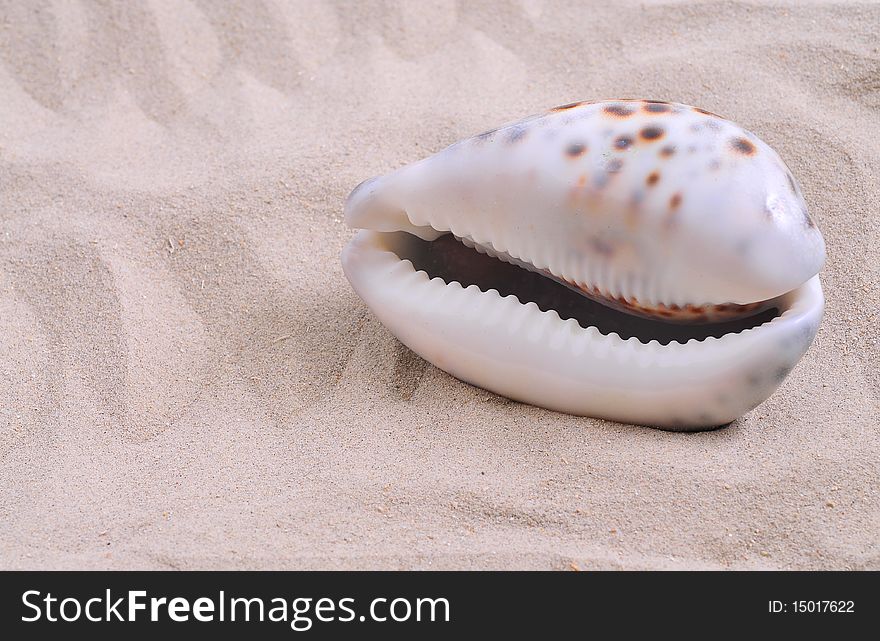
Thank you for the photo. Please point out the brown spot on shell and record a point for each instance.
(576, 150)
(601, 247)
(743, 146)
(667, 151)
(516, 134)
(652, 178)
(570, 105)
(656, 107)
(623, 142)
(675, 201)
(618, 111)
(651, 134)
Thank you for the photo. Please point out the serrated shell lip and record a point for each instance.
(530, 355)
(794, 305)
(622, 299)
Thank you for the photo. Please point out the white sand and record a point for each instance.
(187, 380)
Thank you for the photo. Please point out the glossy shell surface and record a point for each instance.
(658, 209)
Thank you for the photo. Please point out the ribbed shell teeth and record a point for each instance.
(595, 278)
(624, 291)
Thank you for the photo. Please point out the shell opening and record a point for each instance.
(454, 259)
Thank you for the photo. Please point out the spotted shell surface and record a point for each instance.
(659, 202)
(654, 206)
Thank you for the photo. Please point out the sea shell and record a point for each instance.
(635, 260)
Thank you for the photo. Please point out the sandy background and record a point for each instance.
(187, 380)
